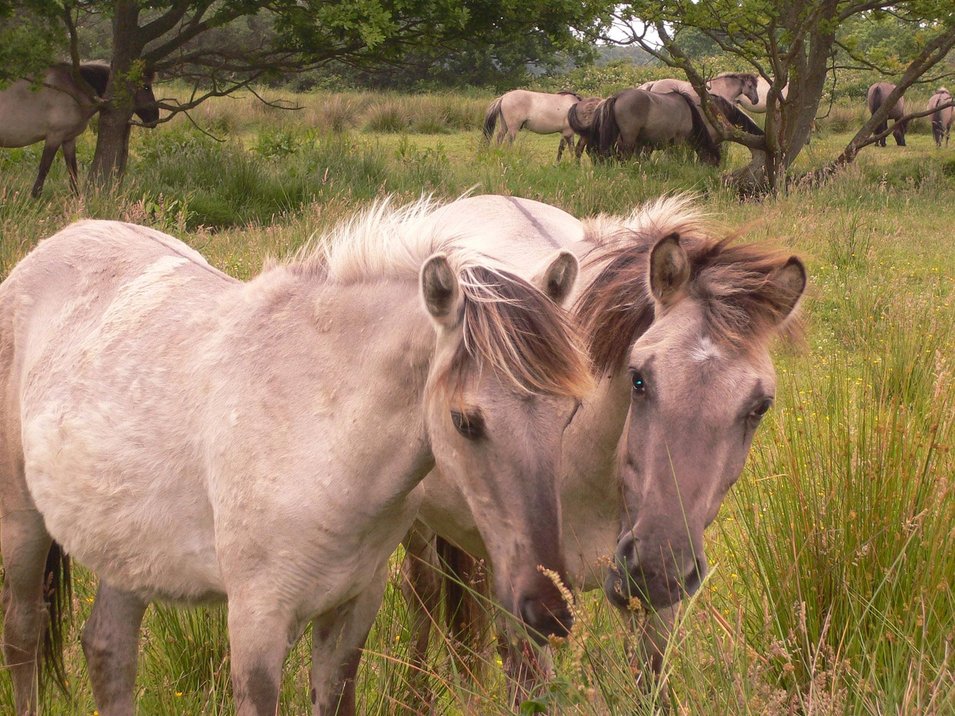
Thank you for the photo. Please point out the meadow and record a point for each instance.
(832, 588)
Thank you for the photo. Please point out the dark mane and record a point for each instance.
(96, 75)
(741, 304)
(572, 94)
(737, 75)
(735, 115)
(706, 147)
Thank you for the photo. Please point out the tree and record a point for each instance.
(791, 43)
(225, 45)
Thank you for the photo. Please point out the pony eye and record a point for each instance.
(762, 408)
(470, 426)
(639, 384)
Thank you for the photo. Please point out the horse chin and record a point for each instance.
(626, 594)
(149, 119)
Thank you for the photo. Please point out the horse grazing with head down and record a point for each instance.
(678, 325)
(191, 437)
(875, 98)
(636, 120)
(539, 112)
(941, 115)
(57, 109)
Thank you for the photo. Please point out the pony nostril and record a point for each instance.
(694, 579)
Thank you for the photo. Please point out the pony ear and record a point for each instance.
(440, 291)
(669, 270)
(558, 277)
(788, 284)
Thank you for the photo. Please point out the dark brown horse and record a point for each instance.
(875, 98)
(639, 120)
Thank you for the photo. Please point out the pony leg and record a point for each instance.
(422, 594)
(111, 646)
(259, 641)
(337, 640)
(898, 133)
(69, 156)
(46, 161)
(25, 544)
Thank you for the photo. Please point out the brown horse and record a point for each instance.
(57, 109)
(941, 115)
(637, 119)
(875, 98)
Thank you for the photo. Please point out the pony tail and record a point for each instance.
(605, 127)
(574, 121)
(467, 610)
(58, 597)
(490, 118)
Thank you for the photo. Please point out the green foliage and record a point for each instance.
(29, 37)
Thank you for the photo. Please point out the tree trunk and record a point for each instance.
(112, 142)
(112, 145)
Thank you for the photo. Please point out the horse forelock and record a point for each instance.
(513, 328)
(741, 304)
(616, 307)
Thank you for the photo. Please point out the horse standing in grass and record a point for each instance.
(677, 324)
(731, 86)
(875, 98)
(941, 118)
(539, 112)
(636, 120)
(58, 109)
(191, 437)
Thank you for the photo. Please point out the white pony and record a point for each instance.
(762, 94)
(539, 112)
(191, 437)
(731, 86)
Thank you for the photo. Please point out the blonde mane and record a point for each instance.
(508, 325)
(741, 305)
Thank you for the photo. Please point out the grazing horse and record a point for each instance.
(540, 112)
(191, 437)
(731, 86)
(57, 110)
(941, 118)
(762, 96)
(875, 98)
(616, 306)
(636, 119)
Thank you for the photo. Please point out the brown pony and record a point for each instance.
(639, 120)
(875, 98)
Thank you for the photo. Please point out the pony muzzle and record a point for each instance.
(654, 583)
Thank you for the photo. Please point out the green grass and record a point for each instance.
(832, 584)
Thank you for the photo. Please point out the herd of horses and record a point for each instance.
(57, 108)
(664, 112)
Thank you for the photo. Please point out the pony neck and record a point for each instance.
(363, 351)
